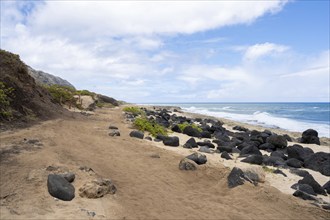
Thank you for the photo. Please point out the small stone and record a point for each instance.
(114, 133)
(113, 127)
(69, 176)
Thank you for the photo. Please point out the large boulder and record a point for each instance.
(255, 174)
(97, 188)
(187, 164)
(190, 131)
(226, 148)
(235, 178)
(319, 161)
(60, 188)
(171, 141)
(136, 134)
(197, 158)
(299, 172)
(310, 136)
(205, 149)
(267, 147)
(293, 162)
(191, 143)
(250, 150)
(253, 159)
(273, 161)
(309, 180)
(206, 134)
(279, 154)
(278, 141)
(298, 152)
(176, 128)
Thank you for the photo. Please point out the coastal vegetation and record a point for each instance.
(134, 110)
(182, 126)
(143, 124)
(5, 93)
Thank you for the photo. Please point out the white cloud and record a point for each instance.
(83, 19)
(259, 50)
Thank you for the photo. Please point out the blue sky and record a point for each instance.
(173, 51)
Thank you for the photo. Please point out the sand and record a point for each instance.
(148, 187)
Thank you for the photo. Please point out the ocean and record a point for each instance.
(288, 116)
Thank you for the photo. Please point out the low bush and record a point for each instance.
(61, 94)
(182, 126)
(134, 110)
(152, 127)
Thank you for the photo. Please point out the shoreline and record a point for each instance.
(229, 123)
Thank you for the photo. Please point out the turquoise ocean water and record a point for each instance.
(288, 116)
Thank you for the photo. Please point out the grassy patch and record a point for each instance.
(134, 110)
(184, 125)
(84, 92)
(152, 127)
(5, 92)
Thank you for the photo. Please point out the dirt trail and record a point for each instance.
(148, 188)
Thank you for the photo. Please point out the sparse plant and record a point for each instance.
(5, 93)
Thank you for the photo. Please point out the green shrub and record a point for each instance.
(134, 110)
(61, 94)
(84, 92)
(184, 125)
(152, 127)
(5, 92)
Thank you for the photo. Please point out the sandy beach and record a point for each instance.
(148, 186)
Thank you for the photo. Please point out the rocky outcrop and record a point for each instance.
(43, 78)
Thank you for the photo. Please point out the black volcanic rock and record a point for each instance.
(310, 136)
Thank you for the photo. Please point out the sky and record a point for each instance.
(177, 51)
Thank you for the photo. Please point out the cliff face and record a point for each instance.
(43, 78)
(23, 99)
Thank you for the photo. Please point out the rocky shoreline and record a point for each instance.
(271, 149)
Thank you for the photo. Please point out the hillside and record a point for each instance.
(43, 78)
(22, 99)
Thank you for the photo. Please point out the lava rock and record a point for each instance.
(240, 128)
(192, 143)
(298, 172)
(273, 161)
(303, 195)
(235, 178)
(279, 154)
(304, 187)
(69, 176)
(278, 171)
(186, 164)
(190, 131)
(298, 152)
(319, 161)
(171, 141)
(148, 138)
(205, 134)
(326, 187)
(278, 141)
(198, 158)
(309, 180)
(176, 128)
(250, 150)
(253, 159)
(310, 136)
(267, 147)
(227, 149)
(136, 134)
(293, 162)
(226, 156)
(60, 188)
(208, 144)
(113, 127)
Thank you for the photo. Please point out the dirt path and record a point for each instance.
(148, 188)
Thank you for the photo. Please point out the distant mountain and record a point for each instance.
(43, 78)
